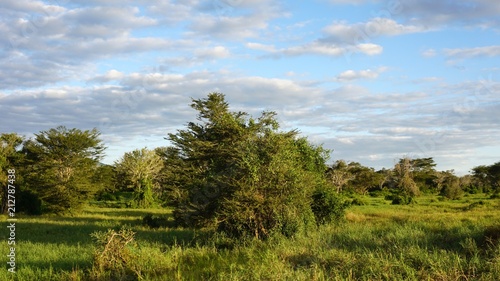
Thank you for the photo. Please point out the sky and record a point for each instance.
(371, 80)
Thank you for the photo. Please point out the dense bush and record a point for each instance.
(327, 206)
(242, 176)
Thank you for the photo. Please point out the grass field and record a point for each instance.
(430, 240)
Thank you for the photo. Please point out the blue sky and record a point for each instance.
(373, 80)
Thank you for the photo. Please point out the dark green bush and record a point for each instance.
(327, 206)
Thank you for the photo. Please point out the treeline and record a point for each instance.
(227, 170)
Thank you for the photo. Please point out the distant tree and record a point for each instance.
(494, 176)
(9, 159)
(487, 177)
(424, 173)
(363, 178)
(105, 177)
(339, 175)
(449, 185)
(140, 170)
(60, 164)
(403, 179)
(241, 175)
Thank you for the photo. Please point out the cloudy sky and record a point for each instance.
(373, 80)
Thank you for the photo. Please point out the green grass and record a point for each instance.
(430, 240)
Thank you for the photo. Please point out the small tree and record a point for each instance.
(140, 170)
(60, 164)
(241, 175)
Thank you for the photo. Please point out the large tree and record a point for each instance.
(242, 175)
(60, 165)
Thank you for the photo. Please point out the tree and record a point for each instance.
(424, 173)
(9, 159)
(140, 170)
(60, 165)
(403, 179)
(487, 177)
(363, 178)
(240, 175)
(339, 175)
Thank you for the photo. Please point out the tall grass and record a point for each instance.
(432, 240)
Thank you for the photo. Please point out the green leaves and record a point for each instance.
(242, 175)
(60, 164)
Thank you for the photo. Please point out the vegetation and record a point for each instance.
(433, 240)
(242, 176)
(236, 198)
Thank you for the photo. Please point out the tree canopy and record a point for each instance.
(60, 163)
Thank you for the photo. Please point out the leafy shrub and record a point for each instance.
(327, 206)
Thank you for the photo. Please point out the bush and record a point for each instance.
(327, 206)
(113, 259)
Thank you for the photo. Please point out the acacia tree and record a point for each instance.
(240, 175)
(140, 169)
(60, 164)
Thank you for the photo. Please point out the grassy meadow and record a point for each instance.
(430, 240)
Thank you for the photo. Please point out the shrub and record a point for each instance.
(113, 259)
(327, 206)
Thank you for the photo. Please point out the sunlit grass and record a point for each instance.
(430, 240)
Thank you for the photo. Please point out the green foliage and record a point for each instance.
(327, 206)
(60, 164)
(429, 241)
(10, 158)
(140, 171)
(450, 186)
(241, 175)
(402, 179)
(487, 177)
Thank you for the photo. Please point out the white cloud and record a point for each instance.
(463, 53)
(343, 32)
(350, 75)
(217, 52)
